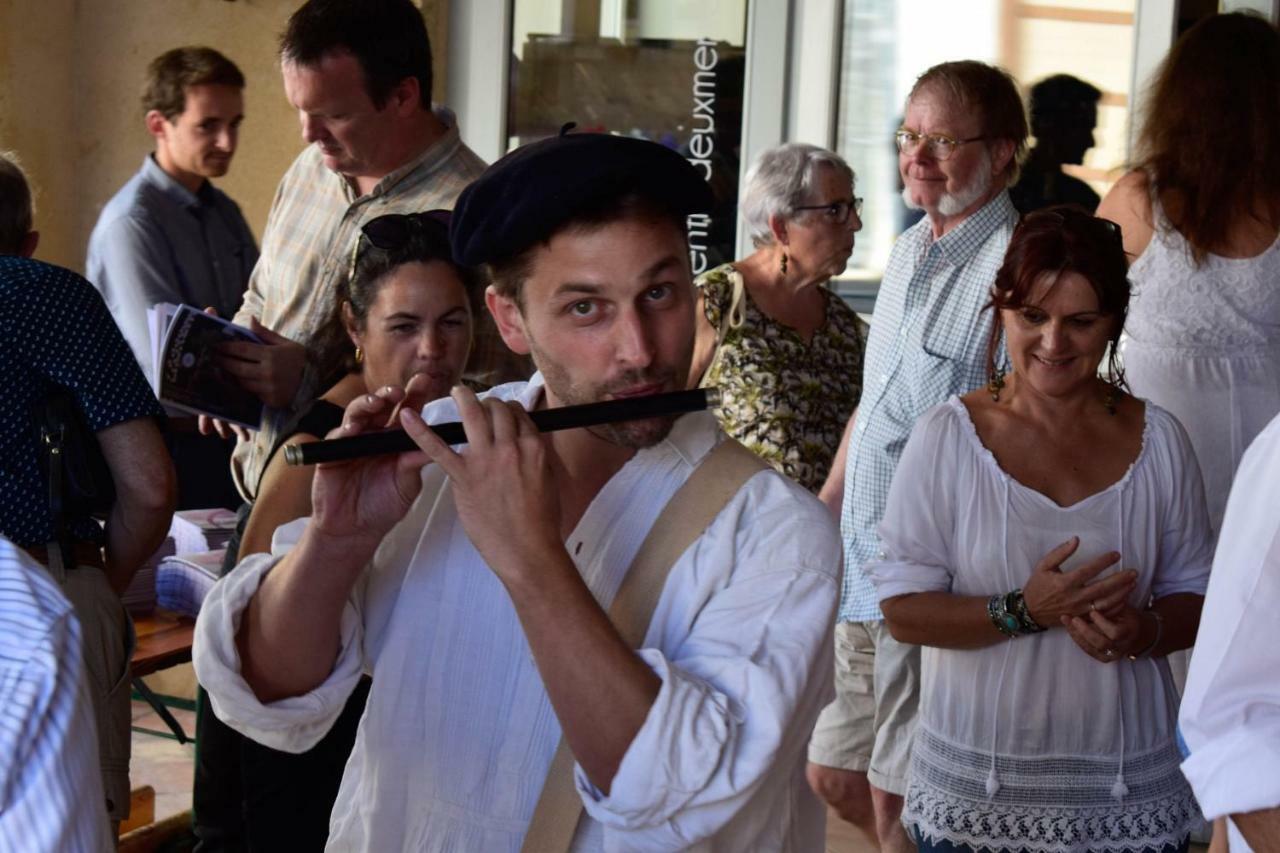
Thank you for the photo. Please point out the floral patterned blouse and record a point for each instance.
(786, 400)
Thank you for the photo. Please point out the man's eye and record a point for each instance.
(658, 292)
(581, 309)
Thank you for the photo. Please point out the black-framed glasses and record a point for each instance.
(939, 145)
(391, 232)
(836, 211)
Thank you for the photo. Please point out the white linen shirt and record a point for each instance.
(1030, 743)
(1231, 708)
(458, 734)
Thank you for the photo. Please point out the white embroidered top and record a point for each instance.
(1031, 744)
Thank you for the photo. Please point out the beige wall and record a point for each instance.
(70, 74)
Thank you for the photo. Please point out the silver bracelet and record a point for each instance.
(1159, 633)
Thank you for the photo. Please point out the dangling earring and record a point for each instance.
(359, 355)
(1109, 399)
(784, 263)
(996, 384)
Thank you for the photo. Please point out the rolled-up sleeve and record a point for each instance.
(915, 532)
(294, 724)
(740, 692)
(1230, 715)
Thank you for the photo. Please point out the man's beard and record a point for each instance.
(953, 204)
(630, 434)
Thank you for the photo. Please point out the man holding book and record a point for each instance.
(474, 585)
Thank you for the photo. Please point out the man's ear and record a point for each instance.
(1001, 153)
(509, 319)
(27, 248)
(157, 124)
(778, 227)
(405, 97)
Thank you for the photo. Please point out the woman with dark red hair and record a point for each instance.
(1046, 539)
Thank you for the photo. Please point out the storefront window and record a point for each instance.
(671, 71)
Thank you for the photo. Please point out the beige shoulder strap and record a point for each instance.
(685, 517)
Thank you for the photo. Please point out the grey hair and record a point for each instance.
(778, 181)
(16, 209)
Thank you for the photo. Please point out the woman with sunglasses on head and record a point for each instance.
(406, 310)
(786, 352)
(1046, 540)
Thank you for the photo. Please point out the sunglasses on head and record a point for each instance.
(393, 231)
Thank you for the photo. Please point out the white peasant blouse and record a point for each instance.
(1032, 744)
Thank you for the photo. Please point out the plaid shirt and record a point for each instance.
(315, 220)
(928, 341)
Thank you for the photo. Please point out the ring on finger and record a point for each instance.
(1109, 652)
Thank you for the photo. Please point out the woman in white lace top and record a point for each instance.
(1201, 220)
(1046, 539)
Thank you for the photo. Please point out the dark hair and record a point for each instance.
(509, 274)
(330, 348)
(1060, 98)
(15, 204)
(1210, 138)
(989, 90)
(171, 73)
(387, 37)
(1052, 241)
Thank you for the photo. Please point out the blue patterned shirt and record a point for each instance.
(928, 341)
(55, 330)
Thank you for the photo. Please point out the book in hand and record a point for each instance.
(188, 373)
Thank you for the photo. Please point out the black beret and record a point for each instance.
(526, 196)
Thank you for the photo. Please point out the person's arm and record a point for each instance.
(832, 491)
(284, 493)
(1260, 828)
(1128, 204)
(704, 343)
(290, 632)
(132, 267)
(146, 493)
(952, 621)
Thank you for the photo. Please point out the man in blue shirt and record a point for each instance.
(962, 136)
(168, 235)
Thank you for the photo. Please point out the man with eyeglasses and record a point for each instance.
(963, 134)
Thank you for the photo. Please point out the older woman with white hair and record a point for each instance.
(786, 352)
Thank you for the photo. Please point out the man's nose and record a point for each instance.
(227, 139)
(633, 339)
(312, 128)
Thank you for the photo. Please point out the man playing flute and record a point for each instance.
(476, 583)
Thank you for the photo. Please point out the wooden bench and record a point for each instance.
(164, 640)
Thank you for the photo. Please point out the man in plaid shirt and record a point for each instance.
(963, 134)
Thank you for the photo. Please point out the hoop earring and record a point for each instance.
(996, 384)
(359, 355)
(784, 263)
(1109, 399)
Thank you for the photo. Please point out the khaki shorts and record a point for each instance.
(868, 727)
(108, 640)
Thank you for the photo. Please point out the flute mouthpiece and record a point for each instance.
(713, 399)
(293, 454)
